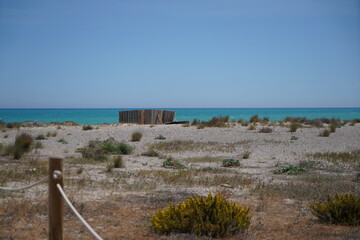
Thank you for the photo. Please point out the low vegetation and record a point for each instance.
(246, 155)
(40, 137)
(87, 127)
(99, 150)
(214, 122)
(231, 163)
(290, 169)
(160, 137)
(211, 216)
(22, 145)
(265, 130)
(136, 136)
(63, 141)
(51, 134)
(205, 159)
(117, 162)
(252, 127)
(350, 157)
(293, 127)
(173, 163)
(324, 133)
(182, 146)
(343, 209)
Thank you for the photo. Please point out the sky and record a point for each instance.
(179, 53)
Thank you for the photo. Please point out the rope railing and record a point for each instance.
(56, 200)
(91, 230)
(26, 187)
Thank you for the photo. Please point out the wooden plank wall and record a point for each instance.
(146, 116)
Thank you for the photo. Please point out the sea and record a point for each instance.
(111, 115)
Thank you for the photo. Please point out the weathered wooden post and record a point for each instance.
(56, 202)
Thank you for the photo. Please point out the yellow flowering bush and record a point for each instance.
(210, 216)
(343, 210)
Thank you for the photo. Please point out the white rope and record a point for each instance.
(26, 187)
(77, 214)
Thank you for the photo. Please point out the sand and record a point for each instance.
(272, 217)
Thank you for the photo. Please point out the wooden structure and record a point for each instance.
(147, 116)
(56, 202)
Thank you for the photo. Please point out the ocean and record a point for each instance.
(110, 115)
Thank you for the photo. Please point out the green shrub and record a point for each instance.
(38, 145)
(118, 162)
(51, 134)
(324, 133)
(332, 127)
(172, 163)
(246, 155)
(13, 125)
(211, 216)
(114, 147)
(160, 137)
(21, 146)
(87, 127)
(151, 153)
(254, 119)
(290, 169)
(342, 209)
(230, 163)
(265, 130)
(136, 136)
(294, 127)
(63, 141)
(252, 127)
(40, 137)
(94, 151)
(245, 124)
(214, 122)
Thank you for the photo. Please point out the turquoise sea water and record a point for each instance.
(110, 115)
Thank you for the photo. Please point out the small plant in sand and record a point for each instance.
(265, 130)
(231, 163)
(211, 216)
(63, 141)
(214, 122)
(293, 137)
(293, 127)
(136, 136)
(38, 145)
(160, 137)
(254, 119)
(342, 210)
(324, 133)
(51, 134)
(252, 127)
(172, 163)
(40, 137)
(114, 147)
(246, 155)
(23, 143)
(117, 162)
(290, 169)
(87, 127)
(99, 150)
(332, 127)
(151, 153)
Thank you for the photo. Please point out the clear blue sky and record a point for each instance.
(181, 53)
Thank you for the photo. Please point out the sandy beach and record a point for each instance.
(119, 201)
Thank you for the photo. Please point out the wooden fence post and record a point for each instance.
(56, 202)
